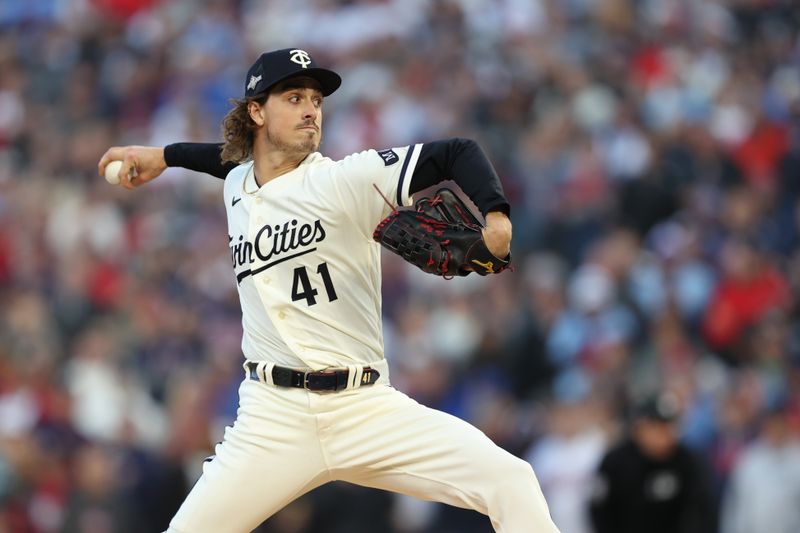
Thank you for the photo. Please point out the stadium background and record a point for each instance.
(650, 150)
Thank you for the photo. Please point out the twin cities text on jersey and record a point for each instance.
(273, 244)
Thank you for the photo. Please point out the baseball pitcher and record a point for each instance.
(304, 232)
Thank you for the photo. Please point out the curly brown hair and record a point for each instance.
(238, 130)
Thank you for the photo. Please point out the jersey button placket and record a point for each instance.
(255, 224)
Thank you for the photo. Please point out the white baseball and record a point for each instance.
(112, 172)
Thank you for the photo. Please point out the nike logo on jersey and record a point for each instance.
(235, 201)
(273, 243)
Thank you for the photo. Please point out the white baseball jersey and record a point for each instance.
(307, 268)
(309, 282)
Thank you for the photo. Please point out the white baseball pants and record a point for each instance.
(286, 442)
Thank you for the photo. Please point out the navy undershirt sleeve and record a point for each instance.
(464, 162)
(460, 160)
(200, 157)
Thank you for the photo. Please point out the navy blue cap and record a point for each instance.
(273, 67)
(662, 407)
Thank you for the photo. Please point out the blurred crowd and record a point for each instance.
(651, 153)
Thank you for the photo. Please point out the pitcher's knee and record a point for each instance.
(515, 502)
(525, 473)
(515, 481)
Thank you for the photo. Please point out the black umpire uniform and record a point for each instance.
(651, 482)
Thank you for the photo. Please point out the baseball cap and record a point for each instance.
(662, 407)
(278, 65)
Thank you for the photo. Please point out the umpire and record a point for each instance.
(650, 481)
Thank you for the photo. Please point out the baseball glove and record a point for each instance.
(440, 235)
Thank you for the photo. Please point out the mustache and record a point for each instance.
(308, 123)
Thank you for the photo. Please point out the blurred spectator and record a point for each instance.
(650, 481)
(566, 458)
(765, 484)
(750, 287)
(594, 332)
(96, 505)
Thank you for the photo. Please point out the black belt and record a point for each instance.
(321, 380)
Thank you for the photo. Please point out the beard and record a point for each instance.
(293, 147)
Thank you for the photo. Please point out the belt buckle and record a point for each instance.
(300, 379)
(307, 381)
(324, 375)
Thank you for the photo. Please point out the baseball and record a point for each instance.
(112, 172)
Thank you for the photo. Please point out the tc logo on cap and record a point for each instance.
(300, 57)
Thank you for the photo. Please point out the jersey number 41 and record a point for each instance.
(302, 289)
